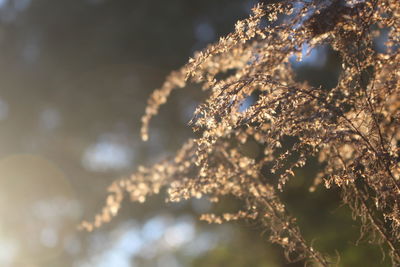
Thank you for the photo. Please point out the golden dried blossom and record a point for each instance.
(352, 128)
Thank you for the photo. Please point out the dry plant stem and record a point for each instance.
(377, 154)
(352, 128)
(295, 234)
(378, 127)
(377, 225)
(283, 219)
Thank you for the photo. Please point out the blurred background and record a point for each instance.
(74, 79)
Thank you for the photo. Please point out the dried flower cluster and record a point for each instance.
(353, 128)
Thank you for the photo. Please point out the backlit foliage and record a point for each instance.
(353, 128)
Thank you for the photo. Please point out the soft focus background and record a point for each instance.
(74, 79)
